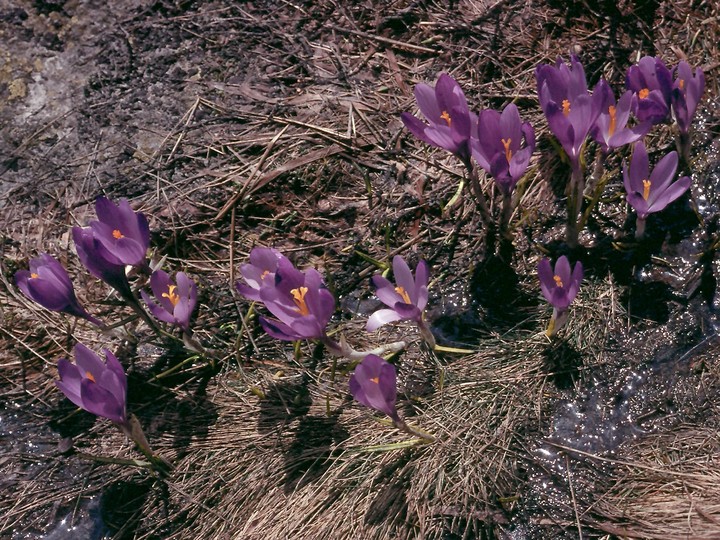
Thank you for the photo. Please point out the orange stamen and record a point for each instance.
(376, 380)
(646, 189)
(299, 299)
(170, 295)
(265, 273)
(566, 106)
(34, 275)
(611, 128)
(446, 116)
(508, 152)
(681, 84)
(402, 292)
(117, 234)
(89, 375)
(558, 281)
(644, 93)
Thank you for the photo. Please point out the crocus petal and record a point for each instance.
(385, 291)
(69, 383)
(100, 402)
(427, 102)
(416, 126)
(639, 167)
(562, 270)
(381, 318)
(278, 330)
(422, 277)
(671, 193)
(662, 175)
(547, 283)
(404, 277)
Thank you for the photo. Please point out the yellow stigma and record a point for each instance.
(376, 380)
(611, 127)
(681, 84)
(508, 152)
(89, 375)
(402, 292)
(265, 273)
(558, 281)
(566, 106)
(34, 275)
(117, 234)
(299, 299)
(644, 93)
(646, 189)
(170, 295)
(446, 116)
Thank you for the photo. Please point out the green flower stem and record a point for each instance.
(400, 424)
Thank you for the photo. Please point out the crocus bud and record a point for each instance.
(374, 384)
(96, 386)
(48, 284)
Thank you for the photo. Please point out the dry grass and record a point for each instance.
(289, 135)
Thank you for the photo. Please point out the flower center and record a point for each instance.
(508, 152)
(89, 375)
(646, 189)
(558, 281)
(117, 234)
(299, 299)
(170, 295)
(402, 292)
(681, 84)
(34, 275)
(644, 93)
(376, 380)
(446, 116)
(264, 274)
(611, 127)
(566, 106)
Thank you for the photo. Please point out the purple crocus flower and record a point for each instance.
(96, 386)
(300, 301)
(611, 129)
(559, 287)
(568, 106)
(122, 233)
(407, 300)
(259, 273)
(686, 93)
(649, 192)
(374, 384)
(175, 302)
(48, 284)
(450, 122)
(497, 148)
(89, 252)
(651, 83)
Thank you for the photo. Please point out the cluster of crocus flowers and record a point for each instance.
(175, 301)
(649, 192)
(300, 301)
(559, 286)
(571, 112)
(47, 283)
(406, 299)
